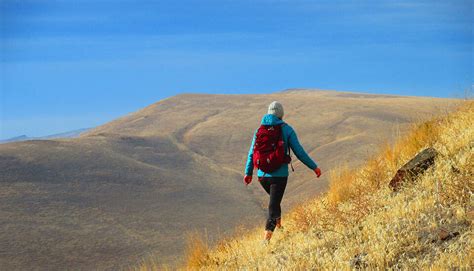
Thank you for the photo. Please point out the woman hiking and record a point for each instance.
(270, 154)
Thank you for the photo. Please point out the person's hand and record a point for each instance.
(247, 179)
(317, 171)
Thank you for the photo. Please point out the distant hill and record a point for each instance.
(15, 139)
(69, 134)
(136, 185)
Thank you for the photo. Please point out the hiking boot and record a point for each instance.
(267, 236)
(278, 223)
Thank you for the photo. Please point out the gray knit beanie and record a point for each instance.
(275, 108)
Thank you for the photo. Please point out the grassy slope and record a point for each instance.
(360, 215)
(122, 190)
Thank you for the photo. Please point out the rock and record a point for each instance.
(455, 170)
(444, 235)
(436, 234)
(358, 261)
(415, 167)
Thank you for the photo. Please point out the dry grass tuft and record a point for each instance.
(196, 250)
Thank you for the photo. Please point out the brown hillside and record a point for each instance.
(135, 185)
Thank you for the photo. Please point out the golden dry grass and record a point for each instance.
(360, 222)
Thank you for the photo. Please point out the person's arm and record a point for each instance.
(249, 164)
(299, 151)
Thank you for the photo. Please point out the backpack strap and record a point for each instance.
(291, 160)
(289, 148)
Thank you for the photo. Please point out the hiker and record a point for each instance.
(270, 154)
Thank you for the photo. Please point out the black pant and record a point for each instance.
(275, 187)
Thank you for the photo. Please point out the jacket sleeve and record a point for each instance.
(249, 164)
(299, 151)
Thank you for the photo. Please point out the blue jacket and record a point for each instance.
(289, 135)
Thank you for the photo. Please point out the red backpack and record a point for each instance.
(268, 150)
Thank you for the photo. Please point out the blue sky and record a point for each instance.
(68, 64)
